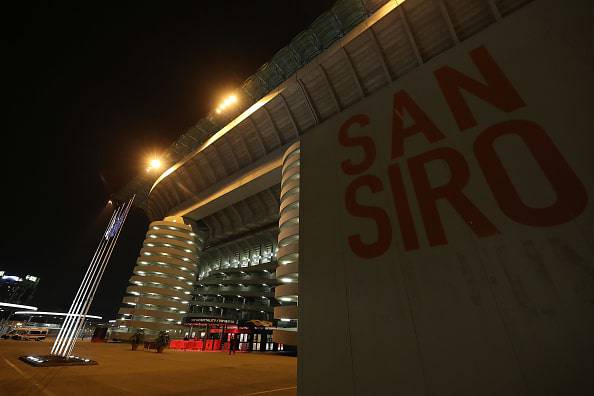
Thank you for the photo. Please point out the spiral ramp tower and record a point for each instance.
(287, 272)
(162, 281)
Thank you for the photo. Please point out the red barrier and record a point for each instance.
(177, 344)
(211, 345)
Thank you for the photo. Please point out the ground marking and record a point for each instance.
(27, 376)
(269, 391)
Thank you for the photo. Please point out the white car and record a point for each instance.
(27, 333)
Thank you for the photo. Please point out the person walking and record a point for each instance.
(232, 344)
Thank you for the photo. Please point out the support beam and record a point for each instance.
(448, 21)
(260, 138)
(308, 101)
(381, 55)
(409, 35)
(291, 118)
(494, 10)
(277, 132)
(351, 68)
(330, 88)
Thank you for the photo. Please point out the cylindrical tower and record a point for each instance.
(162, 280)
(287, 271)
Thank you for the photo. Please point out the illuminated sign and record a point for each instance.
(12, 278)
(115, 225)
(209, 321)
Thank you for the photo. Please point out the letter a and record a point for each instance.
(424, 125)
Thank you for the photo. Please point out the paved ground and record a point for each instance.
(123, 372)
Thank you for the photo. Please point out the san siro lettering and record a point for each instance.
(497, 91)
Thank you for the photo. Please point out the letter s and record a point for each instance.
(378, 215)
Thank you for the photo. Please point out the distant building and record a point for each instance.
(17, 290)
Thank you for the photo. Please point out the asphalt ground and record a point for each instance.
(122, 371)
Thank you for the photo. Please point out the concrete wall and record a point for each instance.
(484, 286)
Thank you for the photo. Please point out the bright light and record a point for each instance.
(229, 100)
(3, 304)
(155, 163)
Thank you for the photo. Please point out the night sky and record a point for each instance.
(89, 93)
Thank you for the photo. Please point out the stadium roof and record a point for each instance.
(305, 46)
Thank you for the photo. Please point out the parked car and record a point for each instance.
(26, 333)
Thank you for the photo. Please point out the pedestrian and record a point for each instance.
(232, 344)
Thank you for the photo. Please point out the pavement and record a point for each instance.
(122, 371)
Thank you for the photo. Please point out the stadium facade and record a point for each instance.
(224, 241)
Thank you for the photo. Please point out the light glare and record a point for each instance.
(155, 163)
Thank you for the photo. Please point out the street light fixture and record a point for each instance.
(154, 163)
(229, 100)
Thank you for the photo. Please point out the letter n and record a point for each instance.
(498, 90)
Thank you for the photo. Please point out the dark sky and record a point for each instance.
(89, 91)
